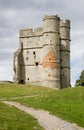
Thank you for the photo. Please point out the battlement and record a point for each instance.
(26, 32)
(38, 31)
(51, 17)
(65, 23)
(30, 32)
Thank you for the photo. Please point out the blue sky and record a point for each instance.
(19, 14)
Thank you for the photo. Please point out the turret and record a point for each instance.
(65, 52)
(51, 23)
(51, 51)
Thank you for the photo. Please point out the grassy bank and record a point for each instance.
(65, 103)
(16, 90)
(14, 119)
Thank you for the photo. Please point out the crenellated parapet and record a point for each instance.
(65, 23)
(38, 31)
(31, 33)
(65, 29)
(26, 33)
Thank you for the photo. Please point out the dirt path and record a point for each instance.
(46, 120)
(20, 97)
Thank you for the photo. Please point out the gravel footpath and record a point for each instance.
(46, 120)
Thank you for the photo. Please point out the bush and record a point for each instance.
(80, 81)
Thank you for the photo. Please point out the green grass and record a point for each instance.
(15, 90)
(14, 119)
(67, 103)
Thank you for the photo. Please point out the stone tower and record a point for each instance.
(43, 57)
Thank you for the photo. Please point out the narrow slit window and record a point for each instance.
(36, 63)
(21, 45)
(27, 52)
(34, 53)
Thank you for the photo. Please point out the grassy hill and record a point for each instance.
(67, 103)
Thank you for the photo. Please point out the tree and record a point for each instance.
(80, 81)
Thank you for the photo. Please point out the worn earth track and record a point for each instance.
(20, 97)
(46, 120)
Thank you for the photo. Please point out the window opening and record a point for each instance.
(21, 45)
(34, 53)
(36, 63)
(27, 58)
(50, 40)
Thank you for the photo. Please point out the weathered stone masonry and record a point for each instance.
(43, 57)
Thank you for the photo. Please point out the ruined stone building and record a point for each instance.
(43, 57)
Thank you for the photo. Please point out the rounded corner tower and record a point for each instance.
(65, 53)
(51, 51)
